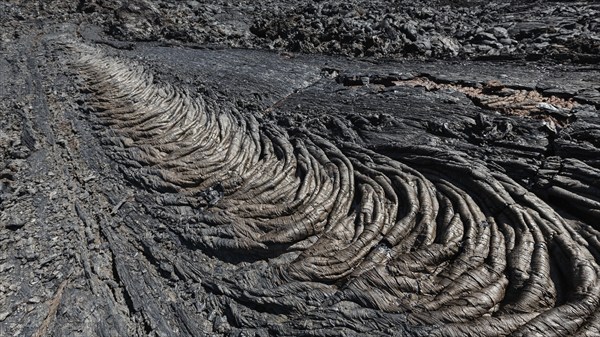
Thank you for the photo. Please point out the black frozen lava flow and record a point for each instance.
(420, 240)
(156, 182)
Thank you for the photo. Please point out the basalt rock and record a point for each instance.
(151, 189)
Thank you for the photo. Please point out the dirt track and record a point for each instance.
(346, 169)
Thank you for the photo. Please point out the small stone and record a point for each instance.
(193, 4)
(499, 32)
(483, 48)
(35, 299)
(446, 44)
(410, 30)
(547, 107)
(3, 315)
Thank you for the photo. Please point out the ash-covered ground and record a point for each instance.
(214, 168)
